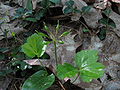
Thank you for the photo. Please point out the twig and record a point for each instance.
(61, 85)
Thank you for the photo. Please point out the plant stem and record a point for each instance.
(76, 78)
(41, 63)
(61, 85)
(55, 48)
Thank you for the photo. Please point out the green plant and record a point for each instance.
(86, 67)
(28, 14)
(70, 7)
(107, 22)
(86, 61)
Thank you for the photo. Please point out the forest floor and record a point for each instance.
(97, 28)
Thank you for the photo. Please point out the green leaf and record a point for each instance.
(90, 71)
(86, 78)
(29, 5)
(39, 81)
(103, 21)
(2, 56)
(86, 61)
(68, 10)
(86, 57)
(61, 42)
(112, 24)
(5, 72)
(66, 70)
(58, 26)
(64, 34)
(35, 46)
(45, 4)
(102, 33)
(86, 9)
(55, 1)
(108, 21)
(76, 10)
(69, 3)
(86, 30)
(3, 49)
(40, 14)
(107, 12)
(13, 34)
(42, 34)
(31, 19)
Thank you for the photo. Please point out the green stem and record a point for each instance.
(55, 48)
(40, 62)
(76, 78)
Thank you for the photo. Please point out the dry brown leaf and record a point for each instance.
(116, 1)
(34, 2)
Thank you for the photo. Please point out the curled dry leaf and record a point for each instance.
(116, 1)
(93, 15)
(34, 2)
(102, 4)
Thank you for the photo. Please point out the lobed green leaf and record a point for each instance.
(35, 46)
(86, 9)
(66, 70)
(89, 68)
(86, 57)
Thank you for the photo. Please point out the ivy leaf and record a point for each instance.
(86, 9)
(35, 46)
(86, 60)
(69, 7)
(45, 3)
(2, 56)
(107, 12)
(55, 1)
(39, 81)
(102, 33)
(103, 21)
(69, 3)
(112, 24)
(3, 49)
(31, 19)
(40, 14)
(66, 70)
(108, 21)
(68, 10)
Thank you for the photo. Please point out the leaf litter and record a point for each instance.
(109, 48)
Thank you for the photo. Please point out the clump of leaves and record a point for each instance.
(36, 46)
(86, 62)
(86, 66)
(71, 9)
(107, 22)
(28, 14)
